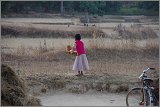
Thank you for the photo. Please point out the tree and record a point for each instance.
(154, 5)
(112, 6)
(62, 9)
(92, 7)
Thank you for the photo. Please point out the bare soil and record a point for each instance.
(87, 99)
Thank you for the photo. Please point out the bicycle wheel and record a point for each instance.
(134, 97)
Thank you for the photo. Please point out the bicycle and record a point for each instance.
(142, 95)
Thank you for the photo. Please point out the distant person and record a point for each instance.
(81, 62)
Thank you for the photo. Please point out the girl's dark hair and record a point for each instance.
(77, 37)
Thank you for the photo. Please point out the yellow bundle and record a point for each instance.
(70, 50)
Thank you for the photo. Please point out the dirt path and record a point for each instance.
(37, 20)
(87, 99)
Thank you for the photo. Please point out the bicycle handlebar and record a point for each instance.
(144, 71)
(152, 68)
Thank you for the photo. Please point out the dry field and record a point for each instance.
(111, 62)
(48, 56)
(116, 56)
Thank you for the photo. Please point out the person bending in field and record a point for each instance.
(81, 62)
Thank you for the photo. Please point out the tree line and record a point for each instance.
(73, 7)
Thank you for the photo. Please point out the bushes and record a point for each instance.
(135, 32)
(33, 31)
(137, 11)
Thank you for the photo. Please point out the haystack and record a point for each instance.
(14, 90)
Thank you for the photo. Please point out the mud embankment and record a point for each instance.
(73, 84)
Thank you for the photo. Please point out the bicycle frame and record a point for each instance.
(147, 89)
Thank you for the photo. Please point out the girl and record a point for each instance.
(81, 62)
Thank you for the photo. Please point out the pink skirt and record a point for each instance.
(81, 63)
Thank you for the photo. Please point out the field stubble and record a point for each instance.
(123, 57)
(120, 59)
